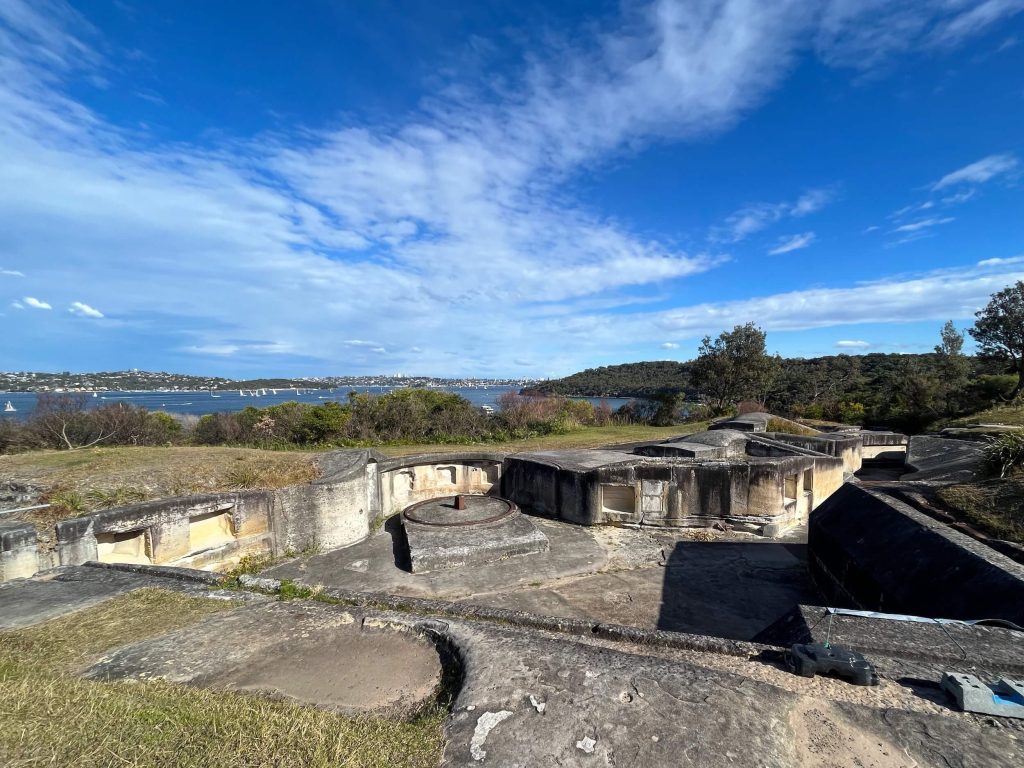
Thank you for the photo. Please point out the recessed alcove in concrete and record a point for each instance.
(454, 531)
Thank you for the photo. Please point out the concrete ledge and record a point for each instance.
(577, 627)
(163, 571)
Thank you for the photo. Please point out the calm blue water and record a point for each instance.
(201, 403)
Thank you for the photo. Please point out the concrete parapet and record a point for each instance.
(868, 550)
(19, 553)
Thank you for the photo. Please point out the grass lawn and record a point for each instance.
(1011, 415)
(52, 718)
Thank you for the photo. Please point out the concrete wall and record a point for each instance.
(407, 480)
(675, 493)
(205, 531)
(883, 446)
(846, 447)
(868, 550)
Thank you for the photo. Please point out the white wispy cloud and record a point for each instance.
(443, 229)
(853, 344)
(979, 171)
(758, 216)
(998, 262)
(31, 301)
(939, 295)
(17, 304)
(916, 226)
(669, 345)
(83, 310)
(792, 243)
(11, 273)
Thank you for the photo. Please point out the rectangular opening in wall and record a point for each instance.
(209, 531)
(493, 472)
(445, 475)
(618, 499)
(808, 481)
(126, 547)
(789, 487)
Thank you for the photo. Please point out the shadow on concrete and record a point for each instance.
(732, 589)
(399, 543)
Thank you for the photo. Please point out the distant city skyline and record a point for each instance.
(499, 189)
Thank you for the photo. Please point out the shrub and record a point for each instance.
(1004, 456)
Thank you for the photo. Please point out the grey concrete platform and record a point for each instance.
(648, 579)
(442, 536)
(380, 564)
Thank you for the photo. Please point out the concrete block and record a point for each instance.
(1004, 698)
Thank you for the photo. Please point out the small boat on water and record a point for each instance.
(9, 407)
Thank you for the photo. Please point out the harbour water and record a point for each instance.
(202, 402)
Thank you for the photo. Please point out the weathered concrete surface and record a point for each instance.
(725, 589)
(380, 564)
(868, 550)
(905, 648)
(535, 700)
(69, 589)
(307, 652)
(439, 540)
(942, 459)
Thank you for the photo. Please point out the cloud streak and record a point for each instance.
(978, 172)
(792, 243)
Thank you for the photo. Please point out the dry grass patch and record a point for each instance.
(53, 718)
(81, 482)
(994, 507)
(588, 437)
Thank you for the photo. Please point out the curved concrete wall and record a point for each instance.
(407, 480)
(868, 550)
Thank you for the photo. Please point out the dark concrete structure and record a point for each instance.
(869, 550)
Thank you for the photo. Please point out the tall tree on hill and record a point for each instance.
(953, 366)
(734, 367)
(999, 330)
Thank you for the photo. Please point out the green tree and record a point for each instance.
(734, 367)
(999, 330)
(953, 366)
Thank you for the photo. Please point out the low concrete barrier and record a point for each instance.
(869, 550)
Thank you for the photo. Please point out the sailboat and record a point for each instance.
(9, 408)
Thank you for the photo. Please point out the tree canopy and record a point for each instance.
(999, 330)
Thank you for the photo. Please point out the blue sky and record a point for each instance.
(499, 189)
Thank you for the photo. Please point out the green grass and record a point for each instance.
(994, 507)
(50, 717)
(1011, 415)
(588, 437)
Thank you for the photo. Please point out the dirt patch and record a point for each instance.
(823, 738)
(351, 671)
